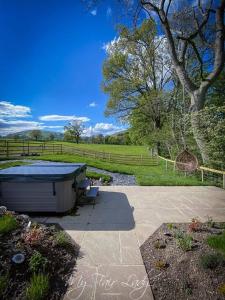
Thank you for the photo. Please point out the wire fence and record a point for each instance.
(14, 149)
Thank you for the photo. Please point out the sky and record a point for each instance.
(51, 59)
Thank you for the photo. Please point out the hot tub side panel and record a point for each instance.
(28, 196)
(65, 195)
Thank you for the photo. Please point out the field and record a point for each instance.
(154, 174)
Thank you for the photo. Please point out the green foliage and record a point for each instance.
(7, 223)
(217, 242)
(213, 128)
(170, 226)
(62, 239)
(93, 175)
(210, 261)
(3, 283)
(73, 131)
(184, 241)
(221, 289)
(37, 262)
(38, 287)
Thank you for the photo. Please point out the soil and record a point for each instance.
(61, 259)
(181, 276)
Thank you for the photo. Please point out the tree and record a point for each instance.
(198, 30)
(74, 130)
(51, 136)
(136, 72)
(36, 134)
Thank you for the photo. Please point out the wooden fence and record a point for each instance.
(11, 149)
(219, 174)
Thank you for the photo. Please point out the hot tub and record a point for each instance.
(41, 187)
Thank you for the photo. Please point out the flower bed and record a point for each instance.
(36, 260)
(186, 261)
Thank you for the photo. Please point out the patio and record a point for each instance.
(110, 234)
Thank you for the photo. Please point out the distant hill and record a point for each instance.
(26, 135)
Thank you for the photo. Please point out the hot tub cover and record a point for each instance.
(42, 172)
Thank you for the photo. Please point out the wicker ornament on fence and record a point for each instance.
(186, 161)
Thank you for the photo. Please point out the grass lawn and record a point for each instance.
(117, 149)
(145, 175)
(11, 164)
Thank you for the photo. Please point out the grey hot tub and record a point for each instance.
(41, 187)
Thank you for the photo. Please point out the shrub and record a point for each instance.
(3, 283)
(7, 223)
(33, 236)
(93, 175)
(38, 287)
(37, 262)
(210, 261)
(62, 239)
(217, 242)
(195, 225)
(185, 242)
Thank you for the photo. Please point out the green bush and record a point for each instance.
(3, 283)
(217, 242)
(7, 223)
(38, 287)
(210, 261)
(37, 262)
(93, 175)
(221, 289)
(185, 242)
(62, 239)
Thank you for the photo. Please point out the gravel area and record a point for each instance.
(117, 178)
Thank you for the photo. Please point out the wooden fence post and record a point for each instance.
(7, 149)
(61, 149)
(202, 172)
(28, 148)
(224, 181)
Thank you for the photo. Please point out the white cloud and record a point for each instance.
(94, 12)
(92, 104)
(109, 11)
(9, 110)
(63, 118)
(102, 128)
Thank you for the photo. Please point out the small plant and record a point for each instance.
(33, 236)
(210, 223)
(178, 234)
(38, 287)
(185, 242)
(195, 225)
(7, 223)
(37, 262)
(159, 245)
(62, 239)
(160, 265)
(210, 261)
(170, 226)
(217, 242)
(221, 289)
(3, 283)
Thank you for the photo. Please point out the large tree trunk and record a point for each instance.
(199, 137)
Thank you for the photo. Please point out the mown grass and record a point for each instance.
(117, 149)
(145, 175)
(12, 164)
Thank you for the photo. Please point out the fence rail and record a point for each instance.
(205, 172)
(19, 149)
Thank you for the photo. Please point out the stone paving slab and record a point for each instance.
(110, 234)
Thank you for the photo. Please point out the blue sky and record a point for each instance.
(51, 59)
